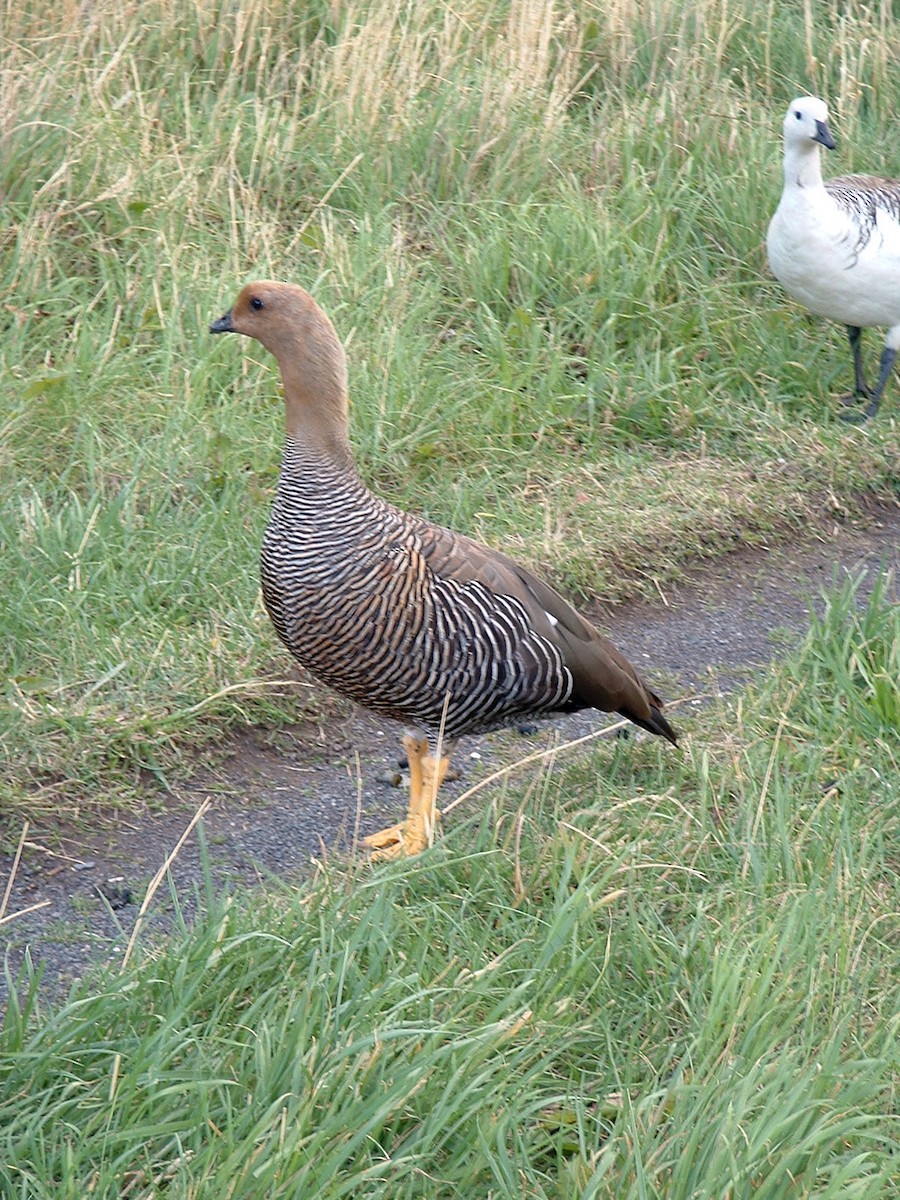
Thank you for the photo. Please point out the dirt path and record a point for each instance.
(275, 798)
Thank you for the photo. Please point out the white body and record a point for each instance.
(835, 246)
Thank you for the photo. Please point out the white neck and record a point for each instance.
(803, 166)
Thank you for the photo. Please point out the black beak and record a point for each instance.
(223, 325)
(823, 135)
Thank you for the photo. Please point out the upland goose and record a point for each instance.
(835, 245)
(407, 618)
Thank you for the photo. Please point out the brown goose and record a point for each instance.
(409, 619)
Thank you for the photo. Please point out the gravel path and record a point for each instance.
(277, 795)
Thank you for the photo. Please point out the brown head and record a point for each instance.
(292, 327)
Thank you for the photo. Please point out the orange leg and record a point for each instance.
(426, 774)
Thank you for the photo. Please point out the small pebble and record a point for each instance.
(116, 897)
(390, 778)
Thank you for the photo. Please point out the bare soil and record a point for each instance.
(281, 799)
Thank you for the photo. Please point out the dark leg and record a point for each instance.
(861, 389)
(884, 371)
(885, 368)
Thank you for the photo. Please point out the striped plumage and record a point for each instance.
(862, 198)
(835, 245)
(407, 618)
(377, 622)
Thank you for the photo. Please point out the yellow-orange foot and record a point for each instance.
(416, 833)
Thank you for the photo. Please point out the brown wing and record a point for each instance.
(603, 676)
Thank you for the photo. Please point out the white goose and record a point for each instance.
(835, 246)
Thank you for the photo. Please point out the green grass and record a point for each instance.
(638, 976)
(539, 230)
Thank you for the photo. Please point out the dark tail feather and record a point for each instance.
(656, 724)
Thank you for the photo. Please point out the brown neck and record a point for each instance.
(316, 405)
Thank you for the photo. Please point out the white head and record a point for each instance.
(806, 123)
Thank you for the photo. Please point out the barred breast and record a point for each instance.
(348, 585)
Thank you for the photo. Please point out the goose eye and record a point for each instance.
(256, 303)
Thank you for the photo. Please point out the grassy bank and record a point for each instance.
(539, 229)
(636, 976)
